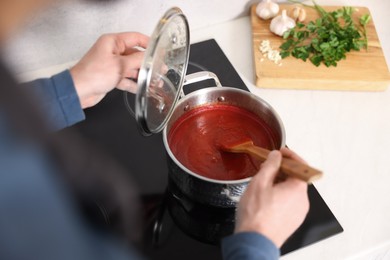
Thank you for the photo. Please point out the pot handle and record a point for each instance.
(189, 79)
(200, 76)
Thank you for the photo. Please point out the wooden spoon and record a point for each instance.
(288, 166)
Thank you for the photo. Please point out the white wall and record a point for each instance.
(64, 33)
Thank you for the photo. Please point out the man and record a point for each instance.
(41, 175)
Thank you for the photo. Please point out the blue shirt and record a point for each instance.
(249, 245)
(58, 99)
(37, 217)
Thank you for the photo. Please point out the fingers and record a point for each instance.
(290, 182)
(269, 169)
(297, 190)
(127, 85)
(131, 39)
(131, 63)
(294, 184)
(132, 74)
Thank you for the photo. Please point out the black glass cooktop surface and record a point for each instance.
(176, 227)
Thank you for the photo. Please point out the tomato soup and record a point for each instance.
(194, 138)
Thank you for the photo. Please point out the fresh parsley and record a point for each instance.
(327, 39)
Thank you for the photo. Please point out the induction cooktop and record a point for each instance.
(176, 227)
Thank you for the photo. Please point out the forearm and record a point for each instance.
(249, 245)
(58, 100)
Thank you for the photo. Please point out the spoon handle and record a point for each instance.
(290, 167)
(299, 170)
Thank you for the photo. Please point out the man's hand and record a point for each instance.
(109, 64)
(274, 210)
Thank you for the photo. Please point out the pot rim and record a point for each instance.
(239, 181)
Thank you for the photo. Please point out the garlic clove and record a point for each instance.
(298, 13)
(267, 9)
(281, 23)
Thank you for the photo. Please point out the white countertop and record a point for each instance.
(346, 134)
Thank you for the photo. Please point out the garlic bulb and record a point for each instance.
(267, 9)
(281, 23)
(298, 14)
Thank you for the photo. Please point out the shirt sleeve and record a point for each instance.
(58, 100)
(249, 245)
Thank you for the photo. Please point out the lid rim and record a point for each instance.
(145, 72)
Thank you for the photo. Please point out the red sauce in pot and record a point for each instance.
(194, 138)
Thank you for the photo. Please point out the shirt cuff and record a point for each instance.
(249, 245)
(68, 98)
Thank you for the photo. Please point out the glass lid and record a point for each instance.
(162, 73)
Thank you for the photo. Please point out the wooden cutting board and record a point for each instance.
(364, 70)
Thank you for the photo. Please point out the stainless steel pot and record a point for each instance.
(202, 189)
(160, 101)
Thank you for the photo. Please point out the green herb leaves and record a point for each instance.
(327, 39)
